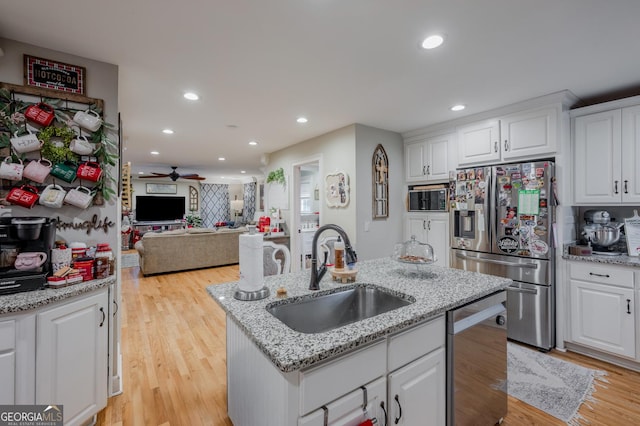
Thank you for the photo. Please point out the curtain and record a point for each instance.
(249, 202)
(215, 204)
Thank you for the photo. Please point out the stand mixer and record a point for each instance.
(600, 232)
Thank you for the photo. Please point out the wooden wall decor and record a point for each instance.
(380, 184)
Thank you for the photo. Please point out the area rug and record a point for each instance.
(553, 385)
(129, 260)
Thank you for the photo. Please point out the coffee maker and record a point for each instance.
(601, 233)
(25, 252)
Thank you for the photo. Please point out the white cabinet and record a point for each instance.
(17, 359)
(602, 308)
(518, 136)
(71, 357)
(479, 143)
(606, 147)
(416, 394)
(413, 359)
(7, 361)
(429, 159)
(430, 228)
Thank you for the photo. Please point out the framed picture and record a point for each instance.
(337, 187)
(162, 188)
(54, 75)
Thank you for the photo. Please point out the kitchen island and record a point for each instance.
(280, 376)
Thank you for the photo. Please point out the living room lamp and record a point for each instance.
(237, 206)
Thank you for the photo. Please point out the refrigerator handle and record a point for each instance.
(498, 262)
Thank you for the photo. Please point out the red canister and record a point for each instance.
(84, 265)
(263, 222)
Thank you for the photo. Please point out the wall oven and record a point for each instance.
(428, 198)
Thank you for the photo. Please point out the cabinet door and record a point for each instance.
(597, 158)
(631, 154)
(438, 236)
(415, 161)
(438, 158)
(71, 359)
(533, 133)
(417, 392)
(416, 225)
(479, 143)
(602, 317)
(348, 410)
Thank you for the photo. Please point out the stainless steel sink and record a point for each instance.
(315, 314)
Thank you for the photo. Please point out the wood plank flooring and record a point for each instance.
(174, 369)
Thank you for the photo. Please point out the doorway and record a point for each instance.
(306, 211)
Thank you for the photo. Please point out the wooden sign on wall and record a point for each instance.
(54, 75)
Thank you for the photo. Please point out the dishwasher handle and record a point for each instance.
(478, 317)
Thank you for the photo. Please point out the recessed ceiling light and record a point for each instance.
(243, 171)
(140, 173)
(155, 153)
(191, 96)
(432, 41)
(221, 158)
(302, 120)
(253, 143)
(459, 107)
(167, 131)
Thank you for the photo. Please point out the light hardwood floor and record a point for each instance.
(174, 369)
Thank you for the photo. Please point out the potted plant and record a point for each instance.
(276, 176)
(193, 220)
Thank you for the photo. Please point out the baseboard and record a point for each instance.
(611, 359)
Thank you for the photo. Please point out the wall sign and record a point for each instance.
(89, 225)
(162, 188)
(55, 75)
(337, 187)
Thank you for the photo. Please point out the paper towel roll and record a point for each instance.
(251, 273)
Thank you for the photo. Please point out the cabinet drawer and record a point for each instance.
(7, 335)
(602, 274)
(324, 383)
(416, 342)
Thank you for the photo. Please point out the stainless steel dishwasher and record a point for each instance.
(477, 362)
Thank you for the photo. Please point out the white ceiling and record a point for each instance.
(258, 64)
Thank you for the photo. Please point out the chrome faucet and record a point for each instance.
(317, 274)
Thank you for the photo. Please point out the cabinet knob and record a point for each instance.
(626, 186)
(506, 145)
(629, 306)
(424, 170)
(428, 170)
(615, 187)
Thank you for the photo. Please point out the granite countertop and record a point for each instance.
(436, 291)
(621, 260)
(25, 301)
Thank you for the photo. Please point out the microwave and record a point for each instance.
(428, 198)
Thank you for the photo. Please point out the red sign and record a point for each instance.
(55, 75)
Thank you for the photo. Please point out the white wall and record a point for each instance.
(337, 150)
(382, 234)
(102, 83)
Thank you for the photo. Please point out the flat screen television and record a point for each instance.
(158, 208)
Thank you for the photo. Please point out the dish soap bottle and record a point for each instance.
(338, 248)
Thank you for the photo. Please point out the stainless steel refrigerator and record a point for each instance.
(501, 224)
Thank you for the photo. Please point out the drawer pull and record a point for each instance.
(399, 410)
(629, 306)
(104, 317)
(385, 412)
(600, 275)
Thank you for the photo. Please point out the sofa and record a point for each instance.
(193, 248)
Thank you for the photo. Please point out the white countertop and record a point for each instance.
(436, 291)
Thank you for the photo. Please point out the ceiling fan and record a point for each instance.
(174, 175)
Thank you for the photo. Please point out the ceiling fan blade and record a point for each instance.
(194, 177)
(157, 175)
(189, 175)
